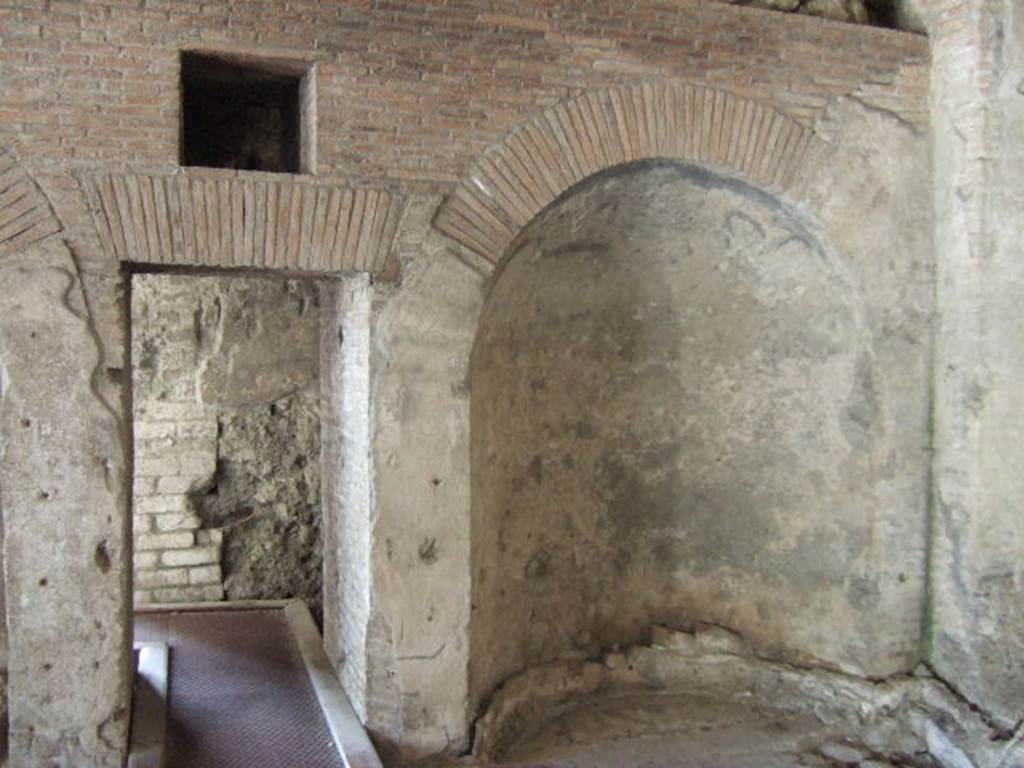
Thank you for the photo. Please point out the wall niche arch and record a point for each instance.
(675, 416)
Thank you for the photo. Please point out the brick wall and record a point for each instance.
(407, 90)
(410, 92)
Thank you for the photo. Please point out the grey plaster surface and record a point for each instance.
(867, 200)
(680, 414)
(63, 491)
(976, 628)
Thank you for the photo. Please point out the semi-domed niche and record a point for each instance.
(677, 418)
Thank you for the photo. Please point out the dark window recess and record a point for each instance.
(240, 115)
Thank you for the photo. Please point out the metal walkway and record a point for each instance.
(240, 695)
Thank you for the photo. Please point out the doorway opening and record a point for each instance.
(226, 424)
(236, 422)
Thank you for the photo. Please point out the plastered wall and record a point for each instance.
(681, 412)
(976, 625)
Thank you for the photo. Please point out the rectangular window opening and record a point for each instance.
(247, 114)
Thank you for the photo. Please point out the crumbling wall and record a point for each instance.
(674, 685)
(226, 404)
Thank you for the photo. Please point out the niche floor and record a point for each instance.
(703, 699)
(675, 731)
(239, 693)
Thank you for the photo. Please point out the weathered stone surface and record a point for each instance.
(419, 421)
(704, 640)
(259, 340)
(677, 393)
(857, 11)
(977, 618)
(713, 639)
(842, 753)
(265, 497)
(591, 711)
(353, 635)
(63, 494)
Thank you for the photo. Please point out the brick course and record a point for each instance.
(242, 219)
(25, 214)
(562, 146)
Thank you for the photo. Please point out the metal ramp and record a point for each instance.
(249, 687)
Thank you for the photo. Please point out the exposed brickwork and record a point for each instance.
(25, 213)
(413, 93)
(242, 219)
(597, 130)
(398, 82)
(408, 96)
(175, 441)
(176, 450)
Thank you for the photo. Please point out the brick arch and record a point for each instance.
(538, 161)
(25, 214)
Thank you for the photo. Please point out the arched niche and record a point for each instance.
(675, 417)
(858, 184)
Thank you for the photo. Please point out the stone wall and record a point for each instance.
(872, 163)
(227, 445)
(348, 482)
(64, 490)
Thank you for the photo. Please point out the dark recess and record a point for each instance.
(239, 115)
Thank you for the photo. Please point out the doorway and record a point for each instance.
(226, 426)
